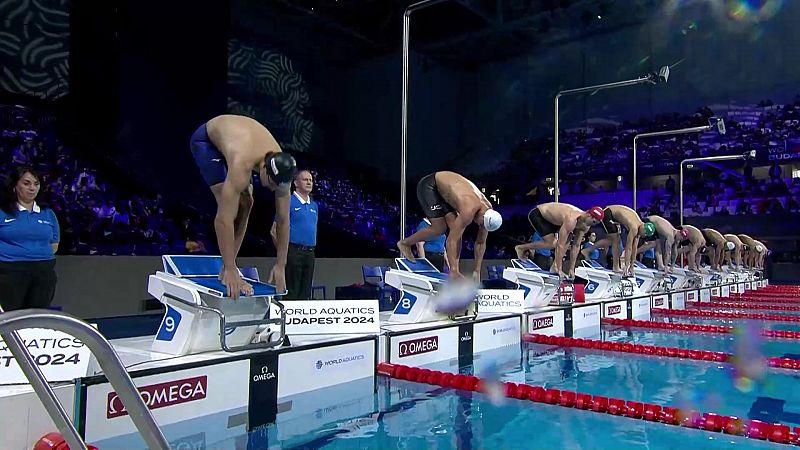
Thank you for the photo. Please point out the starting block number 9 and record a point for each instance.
(169, 324)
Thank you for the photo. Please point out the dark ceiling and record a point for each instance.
(466, 31)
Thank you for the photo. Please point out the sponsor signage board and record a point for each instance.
(500, 300)
(550, 323)
(172, 397)
(424, 347)
(320, 367)
(59, 356)
(327, 317)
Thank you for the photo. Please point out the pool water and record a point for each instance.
(715, 342)
(406, 415)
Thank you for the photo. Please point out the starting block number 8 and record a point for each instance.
(405, 304)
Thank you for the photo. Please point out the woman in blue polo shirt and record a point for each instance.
(29, 236)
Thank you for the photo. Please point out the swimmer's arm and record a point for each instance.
(420, 249)
(453, 243)
(227, 208)
(480, 249)
(669, 243)
(573, 252)
(645, 247)
(273, 234)
(561, 244)
(659, 256)
(282, 200)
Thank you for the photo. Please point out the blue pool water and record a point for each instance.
(429, 418)
(699, 341)
(405, 415)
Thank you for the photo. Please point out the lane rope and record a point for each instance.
(712, 422)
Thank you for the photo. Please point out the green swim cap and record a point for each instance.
(649, 229)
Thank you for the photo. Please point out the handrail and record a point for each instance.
(112, 367)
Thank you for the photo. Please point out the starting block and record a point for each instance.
(539, 285)
(649, 280)
(602, 283)
(710, 277)
(418, 283)
(685, 279)
(200, 317)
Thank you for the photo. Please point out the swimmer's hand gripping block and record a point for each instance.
(199, 317)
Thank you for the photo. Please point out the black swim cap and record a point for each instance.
(281, 167)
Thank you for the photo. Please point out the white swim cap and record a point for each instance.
(492, 220)
(730, 246)
(759, 248)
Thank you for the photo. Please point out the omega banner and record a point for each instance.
(500, 300)
(332, 317)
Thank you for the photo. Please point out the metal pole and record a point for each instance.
(659, 133)
(556, 190)
(404, 108)
(106, 356)
(704, 159)
(598, 87)
(635, 138)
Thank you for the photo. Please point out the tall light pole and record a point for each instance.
(653, 78)
(714, 122)
(747, 155)
(404, 109)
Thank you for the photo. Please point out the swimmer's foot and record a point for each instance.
(405, 250)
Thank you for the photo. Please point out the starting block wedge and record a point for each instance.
(200, 317)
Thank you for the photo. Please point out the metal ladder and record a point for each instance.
(12, 321)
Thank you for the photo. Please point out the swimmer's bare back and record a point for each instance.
(459, 192)
(714, 236)
(626, 216)
(243, 141)
(559, 213)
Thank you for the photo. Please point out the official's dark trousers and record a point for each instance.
(299, 272)
(544, 262)
(27, 284)
(437, 259)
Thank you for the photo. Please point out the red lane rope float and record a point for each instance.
(724, 315)
(627, 347)
(632, 323)
(754, 429)
(652, 350)
(742, 305)
(673, 326)
(755, 300)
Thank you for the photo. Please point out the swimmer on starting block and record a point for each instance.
(692, 245)
(748, 250)
(664, 241)
(761, 254)
(555, 222)
(733, 256)
(615, 217)
(715, 247)
(452, 202)
(227, 150)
